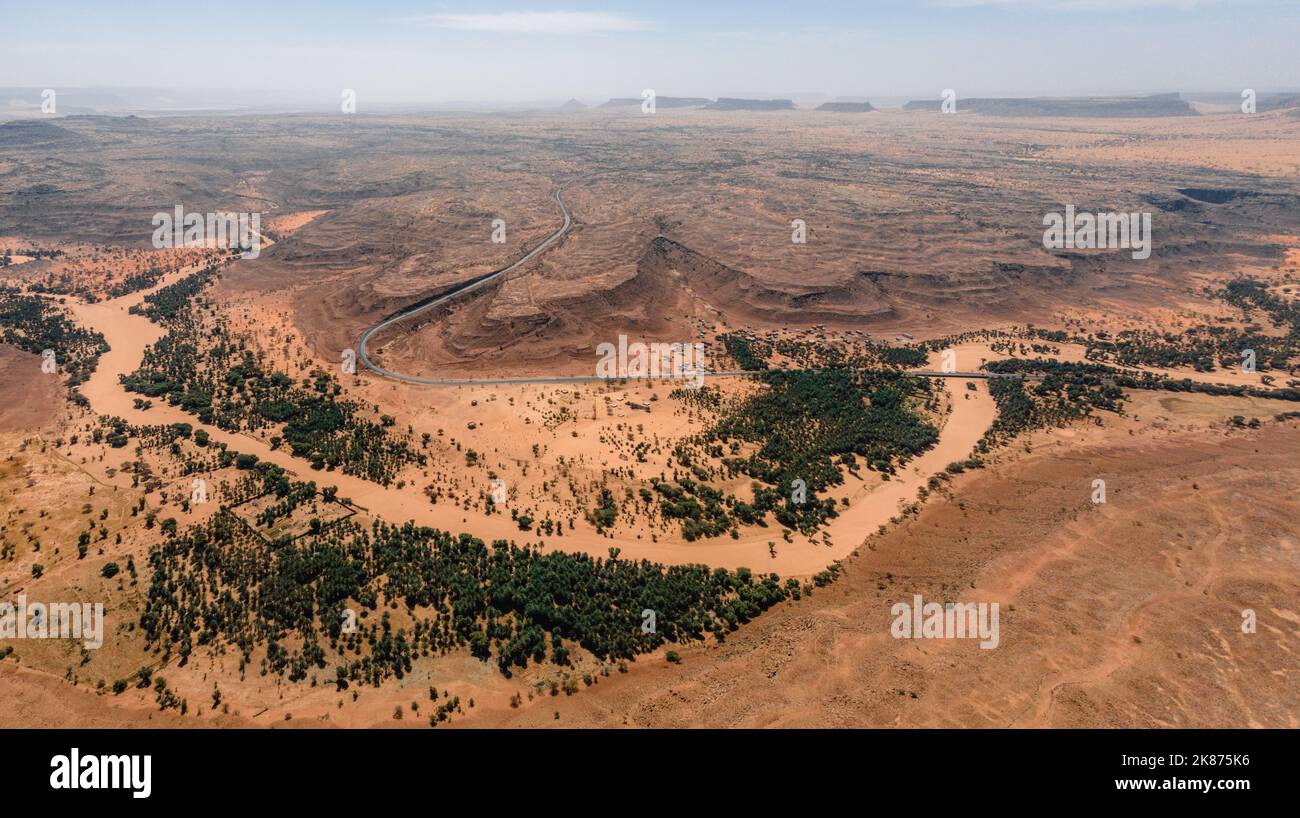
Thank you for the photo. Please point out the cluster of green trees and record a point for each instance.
(1250, 293)
(68, 281)
(7, 257)
(793, 437)
(1066, 392)
(1206, 347)
(288, 500)
(753, 353)
(605, 512)
(903, 356)
(169, 302)
(703, 510)
(708, 398)
(1202, 348)
(748, 352)
(206, 369)
(135, 282)
(113, 430)
(418, 592)
(35, 324)
(1148, 381)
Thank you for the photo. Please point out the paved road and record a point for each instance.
(364, 357)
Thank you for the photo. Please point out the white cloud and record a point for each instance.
(534, 22)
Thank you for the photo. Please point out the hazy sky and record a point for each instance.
(397, 51)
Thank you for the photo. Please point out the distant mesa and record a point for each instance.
(1277, 102)
(1154, 105)
(927, 105)
(31, 133)
(720, 104)
(660, 102)
(847, 107)
(573, 105)
(107, 119)
(735, 104)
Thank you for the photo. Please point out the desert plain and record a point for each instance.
(923, 255)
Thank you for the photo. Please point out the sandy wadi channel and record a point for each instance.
(871, 504)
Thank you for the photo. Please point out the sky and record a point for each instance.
(396, 51)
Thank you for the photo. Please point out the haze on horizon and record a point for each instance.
(403, 52)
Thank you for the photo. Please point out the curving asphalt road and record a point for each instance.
(364, 358)
(473, 285)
